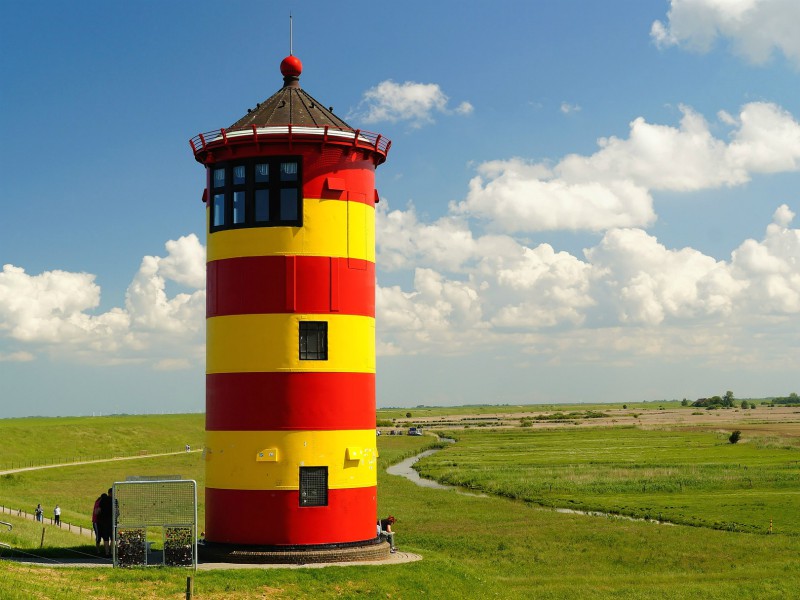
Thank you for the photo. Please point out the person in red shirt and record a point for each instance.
(95, 514)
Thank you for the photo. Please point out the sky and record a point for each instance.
(583, 202)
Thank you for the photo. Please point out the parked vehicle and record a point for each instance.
(415, 431)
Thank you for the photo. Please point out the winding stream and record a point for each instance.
(405, 468)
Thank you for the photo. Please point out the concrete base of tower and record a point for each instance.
(368, 550)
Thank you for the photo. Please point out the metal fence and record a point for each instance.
(150, 511)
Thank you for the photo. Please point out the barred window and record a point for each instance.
(313, 486)
(313, 340)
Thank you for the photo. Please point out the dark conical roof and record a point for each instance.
(290, 105)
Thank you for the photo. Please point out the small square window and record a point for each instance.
(238, 207)
(289, 203)
(219, 178)
(313, 486)
(288, 171)
(262, 206)
(218, 216)
(238, 175)
(262, 173)
(313, 340)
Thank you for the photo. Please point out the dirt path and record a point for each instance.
(89, 462)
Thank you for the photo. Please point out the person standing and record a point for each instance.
(386, 531)
(39, 513)
(105, 521)
(95, 526)
(57, 515)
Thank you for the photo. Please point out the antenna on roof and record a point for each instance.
(290, 33)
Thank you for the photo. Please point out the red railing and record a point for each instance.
(357, 138)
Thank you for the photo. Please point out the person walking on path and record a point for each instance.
(57, 515)
(39, 513)
(386, 531)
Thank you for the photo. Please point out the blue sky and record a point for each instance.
(584, 201)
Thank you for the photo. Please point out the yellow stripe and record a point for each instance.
(271, 342)
(232, 458)
(330, 228)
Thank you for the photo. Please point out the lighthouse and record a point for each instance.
(290, 452)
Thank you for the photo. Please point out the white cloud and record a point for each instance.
(628, 296)
(646, 283)
(172, 364)
(16, 357)
(755, 28)
(51, 307)
(771, 267)
(518, 196)
(568, 108)
(612, 187)
(185, 262)
(416, 103)
(447, 242)
(52, 311)
(658, 157)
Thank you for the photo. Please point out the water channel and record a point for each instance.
(405, 468)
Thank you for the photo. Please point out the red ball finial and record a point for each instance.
(291, 66)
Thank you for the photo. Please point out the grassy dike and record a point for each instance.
(473, 547)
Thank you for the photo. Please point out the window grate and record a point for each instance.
(313, 340)
(313, 486)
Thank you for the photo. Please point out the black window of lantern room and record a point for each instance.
(256, 192)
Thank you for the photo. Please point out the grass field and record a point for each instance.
(492, 546)
(682, 476)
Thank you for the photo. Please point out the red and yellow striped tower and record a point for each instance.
(290, 374)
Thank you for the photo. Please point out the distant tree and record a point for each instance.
(625, 406)
(735, 436)
(684, 402)
(745, 404)
(408, 415)
(727, 399)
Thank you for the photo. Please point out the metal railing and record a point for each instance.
(358, 138)
(10, 527)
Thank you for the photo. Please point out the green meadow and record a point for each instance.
(497, 537)
(682, 476)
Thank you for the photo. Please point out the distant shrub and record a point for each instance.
(735, 436)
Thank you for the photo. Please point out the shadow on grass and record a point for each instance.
(66, 555)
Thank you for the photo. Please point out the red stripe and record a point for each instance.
(326, 168)
(275, 518)
(289, 401)
(281, 284)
